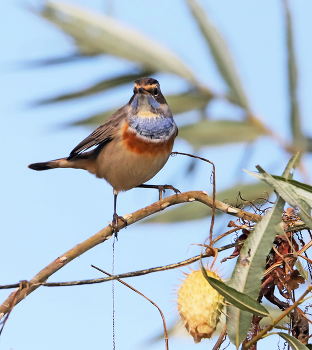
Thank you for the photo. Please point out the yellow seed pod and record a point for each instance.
(199, 305)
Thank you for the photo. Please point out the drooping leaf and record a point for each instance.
(309, 144)
(299, 140)
(95, 120)
(249, 269)
(100, 86)
(53, 61)
(97, 33)
(220, 53)
(292, 165)
(187, 101)
(303, 190)
(214, 132)
(197, 210)
(289, 193)
(178, 104)
(239, 300)
(294, 343)
(303, 272)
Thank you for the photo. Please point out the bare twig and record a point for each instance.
(213, 190)
(226, 233)
(129, 274)
(135, 290)
(276, 321)
(221, 339)
(106, 233)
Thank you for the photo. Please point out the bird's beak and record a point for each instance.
(143, 91)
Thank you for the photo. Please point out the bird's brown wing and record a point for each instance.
(104, 133)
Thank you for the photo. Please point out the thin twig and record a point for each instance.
(276, 321)
(135, 290)
(213, 190)
(129, 274)
(106, 233)
(226, 233)
(221, 339)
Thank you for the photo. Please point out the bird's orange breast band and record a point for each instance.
(139, 145)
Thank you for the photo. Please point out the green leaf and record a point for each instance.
(215, 132)
(249, 269)
(178, 104)
(294, 343)
(309, 144)
(239, 300)
(302, 271)
(292, 195)
(187, 101)
(95, 120)
(101, 86)
(97, 34)
(292, 165)
(303, 190)
(53, 61)
(197, 210)
(220, 53)
(299, 140)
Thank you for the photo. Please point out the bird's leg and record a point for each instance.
(161, 188)
(116, 217)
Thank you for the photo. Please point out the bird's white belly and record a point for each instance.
(124, 169)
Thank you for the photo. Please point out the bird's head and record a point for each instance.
(147, 99)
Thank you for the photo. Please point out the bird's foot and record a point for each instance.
(114, 223)
(162, 189)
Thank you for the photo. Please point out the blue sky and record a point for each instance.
(45, 214)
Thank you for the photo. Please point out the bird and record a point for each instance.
(130, 148)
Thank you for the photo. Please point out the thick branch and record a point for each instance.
(106, 233)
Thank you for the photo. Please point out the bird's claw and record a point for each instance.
(114, 223)
(163, 188)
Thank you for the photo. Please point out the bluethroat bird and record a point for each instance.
(133, 145)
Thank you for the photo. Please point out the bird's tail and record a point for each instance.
(52, 164)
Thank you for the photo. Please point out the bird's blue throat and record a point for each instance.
(156, 128)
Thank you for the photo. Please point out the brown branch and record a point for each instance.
(221, 339)
(135, 290)
(106, 233)
(129, 274)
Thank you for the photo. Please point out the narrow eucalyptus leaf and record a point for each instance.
(96, 33)
(294, 343)
(100, 86)
(187, 101)
(54, 61)
(303, 272)
(299, 140)
(220, 53)
(292, 164)
(291, 194)
(250, 267)
(214, 132)
(240, 300)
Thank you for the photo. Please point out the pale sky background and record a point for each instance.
(46, 213)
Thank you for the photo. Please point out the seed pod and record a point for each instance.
(199, 305)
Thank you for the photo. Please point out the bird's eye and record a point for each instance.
(155, 91)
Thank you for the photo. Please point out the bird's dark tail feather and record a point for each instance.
(52, 164)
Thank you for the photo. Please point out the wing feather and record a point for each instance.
(104, 133)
